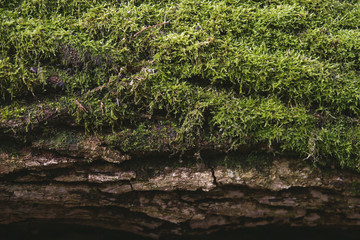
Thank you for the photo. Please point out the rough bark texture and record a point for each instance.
(96, 186)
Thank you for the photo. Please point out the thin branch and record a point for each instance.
(80, 106)
(101, 107)
(157, 25)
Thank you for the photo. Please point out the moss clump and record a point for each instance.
(223, 74)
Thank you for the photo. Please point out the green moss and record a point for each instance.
(145, 138)
(216, 75)
(59, 141)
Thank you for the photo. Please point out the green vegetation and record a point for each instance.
(220, 74)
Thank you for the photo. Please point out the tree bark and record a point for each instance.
(90, 184)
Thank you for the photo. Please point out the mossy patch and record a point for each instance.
(181, 76)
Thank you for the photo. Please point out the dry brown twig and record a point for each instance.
(80, 106)
(157, 25)
(101, 107)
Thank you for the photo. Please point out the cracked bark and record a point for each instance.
(108, 190)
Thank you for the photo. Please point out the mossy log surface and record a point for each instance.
(180, 117)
